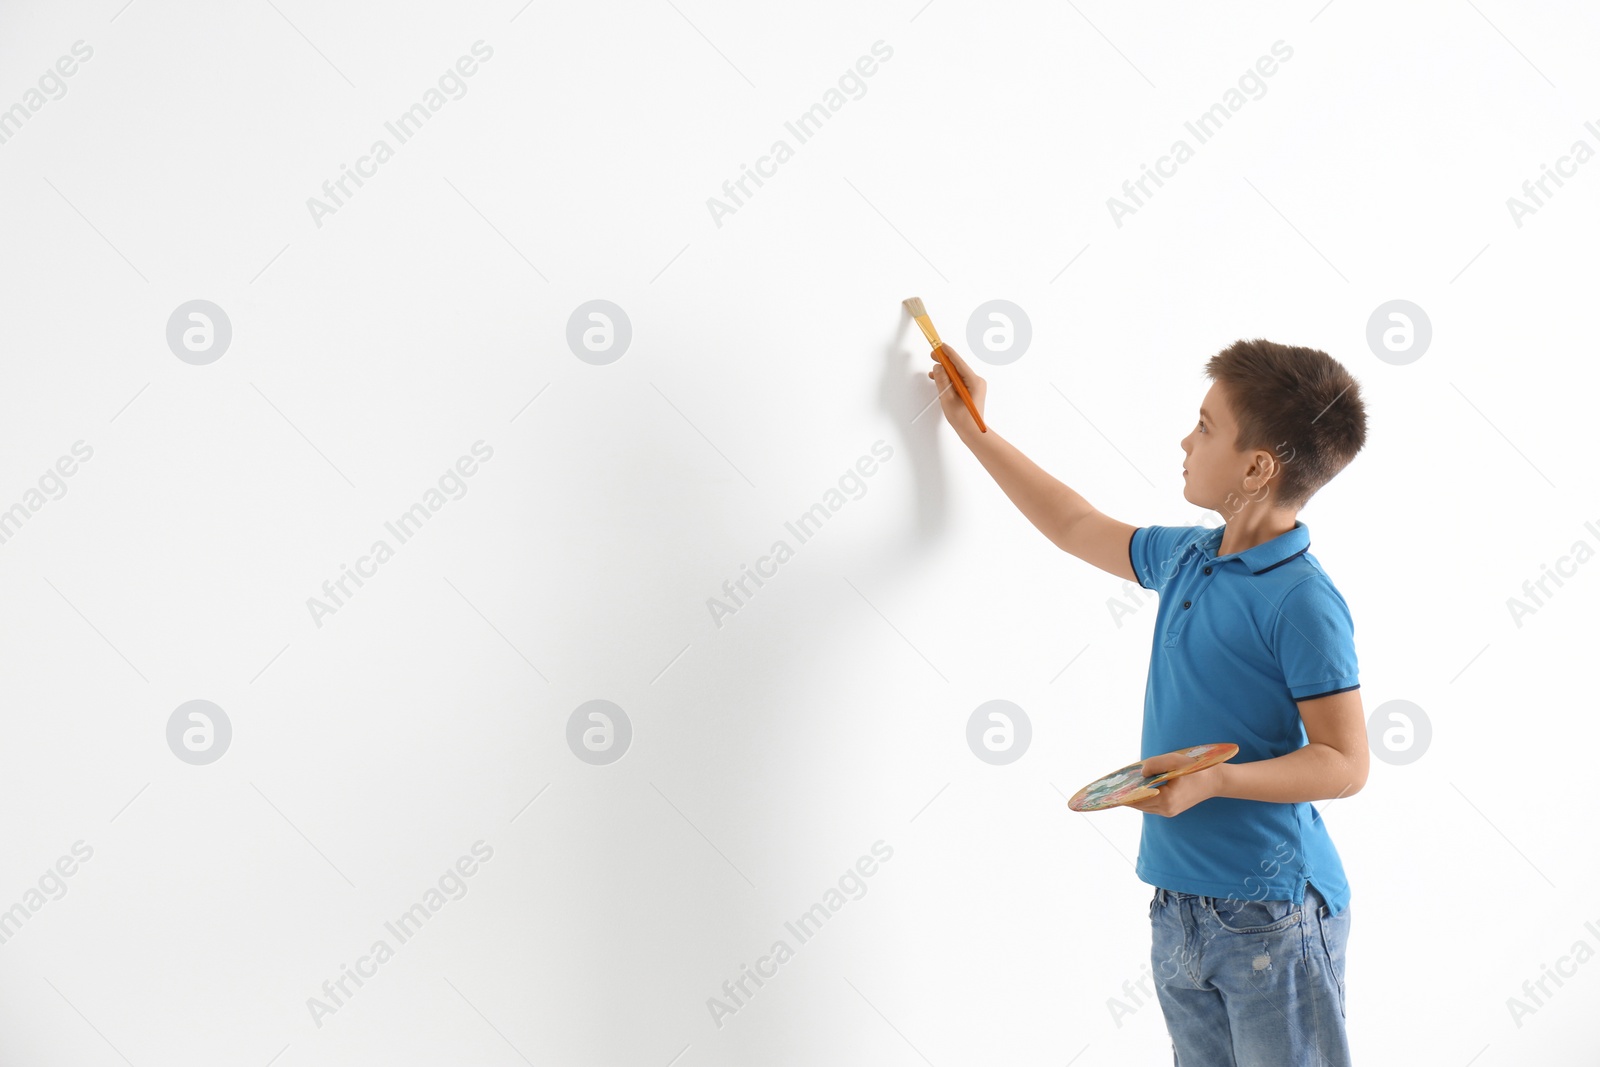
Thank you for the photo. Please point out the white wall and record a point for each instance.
(371, 348)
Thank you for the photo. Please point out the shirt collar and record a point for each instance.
(1267, 554)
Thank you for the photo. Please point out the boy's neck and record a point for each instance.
(1254, 524)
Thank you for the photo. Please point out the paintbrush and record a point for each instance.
(942, 352)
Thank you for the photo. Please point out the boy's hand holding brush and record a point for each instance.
(956, 408)
(961, 392)
(1055, 509)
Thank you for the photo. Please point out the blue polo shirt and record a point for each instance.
(1238, 640)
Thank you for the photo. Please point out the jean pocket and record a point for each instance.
(1254, 916)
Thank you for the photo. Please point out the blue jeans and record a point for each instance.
(1250, 983)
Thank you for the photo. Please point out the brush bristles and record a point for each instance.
(914, 305)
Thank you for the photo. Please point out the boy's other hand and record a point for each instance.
(1177, 795)
(955, 410)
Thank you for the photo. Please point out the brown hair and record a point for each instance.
(1299, 404)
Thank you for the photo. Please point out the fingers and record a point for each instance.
(963, 376)
(1155, 805)
(955, 358)
(1160, 764)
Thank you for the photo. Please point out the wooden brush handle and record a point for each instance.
(942, 355)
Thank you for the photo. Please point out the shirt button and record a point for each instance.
(1185, 603)
(1206, 571)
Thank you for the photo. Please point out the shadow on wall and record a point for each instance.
(912, 401)
(724, 819)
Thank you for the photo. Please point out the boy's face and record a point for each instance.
(1214, 469)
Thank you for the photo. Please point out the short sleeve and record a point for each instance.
(1314, 640)
(1156, 551)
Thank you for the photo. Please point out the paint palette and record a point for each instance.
(1126, 785)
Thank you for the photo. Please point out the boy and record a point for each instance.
(1253, 645)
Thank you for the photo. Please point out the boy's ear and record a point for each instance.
(1264, 468)
(1270, 464)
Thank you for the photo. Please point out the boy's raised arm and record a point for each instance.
(1060, 513)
